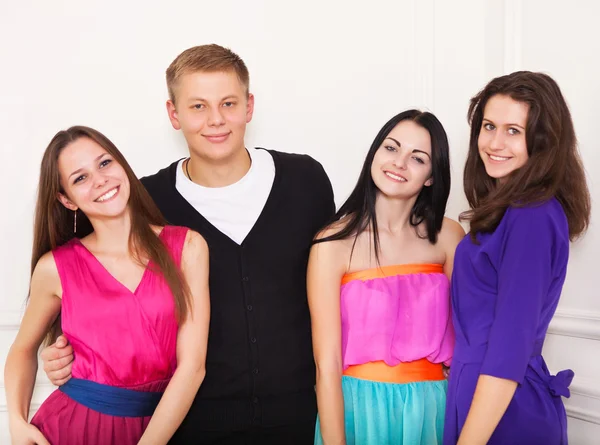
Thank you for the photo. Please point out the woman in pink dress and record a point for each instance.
(130, 294)
(378, 292)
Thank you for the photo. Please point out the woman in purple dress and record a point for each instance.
(528, 196)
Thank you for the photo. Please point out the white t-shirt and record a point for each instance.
(235, 208)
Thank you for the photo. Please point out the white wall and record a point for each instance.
(326, 77)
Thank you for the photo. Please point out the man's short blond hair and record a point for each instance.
(207, 58)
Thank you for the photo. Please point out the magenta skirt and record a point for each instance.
(63, 421)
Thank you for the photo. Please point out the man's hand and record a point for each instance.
(58, 359)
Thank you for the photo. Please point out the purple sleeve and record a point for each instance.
(524, 267)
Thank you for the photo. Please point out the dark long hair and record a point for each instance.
(554, 167)
(358, 212)
(54, 222)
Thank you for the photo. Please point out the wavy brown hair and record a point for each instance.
(54, 222)
(554, 167)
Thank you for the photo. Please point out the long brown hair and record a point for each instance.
(54, 222)
(554, 167)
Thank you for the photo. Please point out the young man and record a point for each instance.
(258, 211)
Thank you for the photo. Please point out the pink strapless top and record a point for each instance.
(396, 314)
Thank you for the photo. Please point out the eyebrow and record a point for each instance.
(80, 169)
(201, 99)
(416, 150)
(508, 124)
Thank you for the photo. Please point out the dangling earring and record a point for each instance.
(75, 221)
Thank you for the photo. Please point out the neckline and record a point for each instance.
(110, 275)
(393, 270)
(271, 202)
(215, 192)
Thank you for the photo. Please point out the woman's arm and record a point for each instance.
(325, 271)
(491, 399)
(191, 347)
(451, 234)
(21, 363)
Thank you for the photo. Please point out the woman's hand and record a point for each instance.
(446, 371)
(23, 433)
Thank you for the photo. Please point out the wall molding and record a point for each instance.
(583, 414)
(588, 392)
(10, 320)
(585, 387)
(513, 35)
(33, 407)
(580, 324)
(424, 53)
(41, 390)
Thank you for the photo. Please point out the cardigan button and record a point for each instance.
(245, 279)
(249, 307)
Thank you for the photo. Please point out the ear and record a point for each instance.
(249, 107)
(429, 182)
(173, 115)
(66, 202)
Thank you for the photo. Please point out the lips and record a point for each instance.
(108, 195)
(217, 138)
(495, 158)
(395, 176)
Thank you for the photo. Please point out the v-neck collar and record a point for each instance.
(110, 275)
(190, 210)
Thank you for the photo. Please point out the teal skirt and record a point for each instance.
(378, 413)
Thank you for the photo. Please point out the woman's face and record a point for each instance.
(92, 180)
(502, 144)
(402, 164)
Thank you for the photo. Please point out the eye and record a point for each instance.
(198, 106)
(513, 131)
(390, 148)
(105, 162)
(79, 179)
(229, 104)
(489, 127)
(419, 160)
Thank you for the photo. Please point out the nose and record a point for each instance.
(401, 160)
(99, 180)
(497, 141)
(215, 117)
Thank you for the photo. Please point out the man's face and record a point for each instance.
(212, 110)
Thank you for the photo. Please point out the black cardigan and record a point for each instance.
(259, 367)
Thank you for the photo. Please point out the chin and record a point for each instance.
(216, 153)
(114, 211)
(497, 173)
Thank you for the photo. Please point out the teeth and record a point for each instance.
(498, 158)
(397, 178)
(107, 195)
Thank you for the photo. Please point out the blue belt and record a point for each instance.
(112, 400)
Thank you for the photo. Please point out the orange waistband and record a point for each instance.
(409, 372)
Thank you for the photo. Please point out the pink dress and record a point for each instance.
(396, 333)
(119, 338)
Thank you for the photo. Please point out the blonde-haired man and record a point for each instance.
(258, 211)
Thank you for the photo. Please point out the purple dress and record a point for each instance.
(504, 293)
